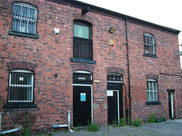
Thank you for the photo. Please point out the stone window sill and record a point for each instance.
(153, 103)
(19, 105)
(78, 60)
(150, 55)
(23, 34)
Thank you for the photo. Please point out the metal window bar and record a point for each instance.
(24, 18)
(20, 87)
(114, 77)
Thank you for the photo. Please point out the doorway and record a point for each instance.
(114, 98)
(82, 99)
(171, 103)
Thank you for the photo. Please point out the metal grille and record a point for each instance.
(24, 18)
(114, 77)
(152, 93)
(20, 87)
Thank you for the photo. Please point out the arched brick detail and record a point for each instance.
(83, 67)
(84, 18)
(152, 76)
(115, 70)
(21, 65)
(31, 2)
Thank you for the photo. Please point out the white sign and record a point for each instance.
(109, 93)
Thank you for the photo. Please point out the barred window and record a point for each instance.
(24, 18)
(114, 77)
(152, 92)
(20, 86)
(149, 44)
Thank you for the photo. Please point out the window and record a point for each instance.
(20, 86)
(149, 44)
(82, 40)
(114, 77)
(152, 92)
(24, 18)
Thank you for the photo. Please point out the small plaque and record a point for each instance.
(83, 97)
(96, 81)
(109, 93)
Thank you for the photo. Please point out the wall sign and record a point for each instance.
(83, 97)
(109, 93)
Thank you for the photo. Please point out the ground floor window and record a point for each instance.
(20, 86)
(152, 92)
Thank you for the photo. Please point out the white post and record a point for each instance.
(0, 119)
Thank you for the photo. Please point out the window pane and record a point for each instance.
(148, 96)
(149, 49)
(148, 85)
(81, 31)
(151, 96)
(23, 26)
(155, 85)
(17, 10)
(24, 11)
(155, 96)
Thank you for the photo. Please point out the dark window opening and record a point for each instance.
(82, 42)
(114, 77)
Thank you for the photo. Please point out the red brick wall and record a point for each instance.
(51, 54)
(166, 62)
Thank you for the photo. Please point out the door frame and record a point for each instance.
(118, 104)
(91, 97)
(171, 95)
(172, 104)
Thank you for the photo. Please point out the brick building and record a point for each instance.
(62, 55)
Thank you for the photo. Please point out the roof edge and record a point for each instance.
(79, 4)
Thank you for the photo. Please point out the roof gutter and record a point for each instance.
(99, 10)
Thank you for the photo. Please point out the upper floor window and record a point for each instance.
(82, 47)
(24, 18)
(149, 44)
(152, 91)
(21, 86)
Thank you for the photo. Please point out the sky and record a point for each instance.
(163, 12)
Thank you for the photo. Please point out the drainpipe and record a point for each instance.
(64, 125)
(8, 131)
(128, 61)
(0, 120)
(126, 103)
(11, 130)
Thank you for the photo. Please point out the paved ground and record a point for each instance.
(168, 128)
(115, 131)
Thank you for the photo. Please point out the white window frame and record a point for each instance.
(19, 85)
(153, 45)
(149, 91)
(18, 27)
